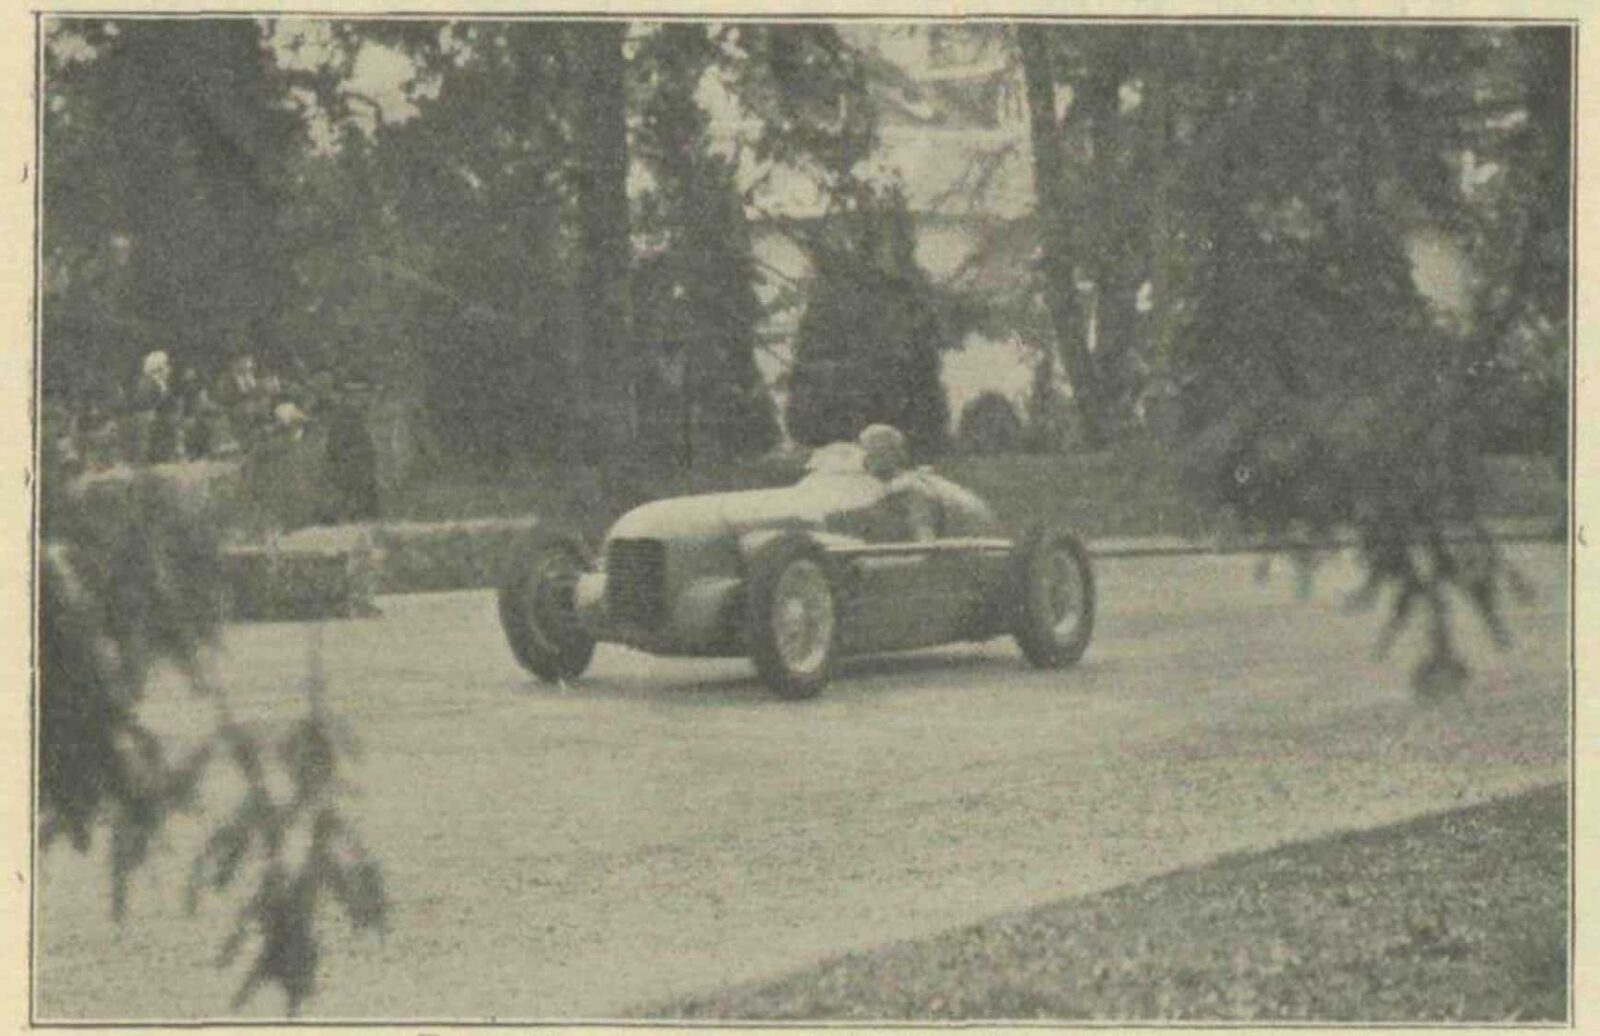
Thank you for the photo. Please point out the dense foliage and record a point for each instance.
(868, 347)
(696, 308)
(130, 581)
(1278, 180)
(167, 179)
(483, 256)
(1282, 179)
(989, 424)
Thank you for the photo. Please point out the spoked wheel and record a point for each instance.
(1055, 598)
(793, 618)
(538, 610)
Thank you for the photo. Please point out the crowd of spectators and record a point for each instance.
(166, 417)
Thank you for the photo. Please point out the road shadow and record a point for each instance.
(736, 684)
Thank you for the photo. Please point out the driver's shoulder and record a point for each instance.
(922, 478)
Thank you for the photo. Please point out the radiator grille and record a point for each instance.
(636, 581)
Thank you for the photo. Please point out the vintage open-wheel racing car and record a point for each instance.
(841, 563)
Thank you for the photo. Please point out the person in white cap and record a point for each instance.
(155, 381)
(156, 410)
(291, 420)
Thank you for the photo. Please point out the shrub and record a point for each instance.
(989, 425)
(869, 343)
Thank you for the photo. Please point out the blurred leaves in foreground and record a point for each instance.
(131, 581)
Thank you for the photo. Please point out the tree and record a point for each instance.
(167, 175)
(609, 369)
(1093, 207)
(869, 343)
(1262, 185)
(459, 268)
(517, 270)
(1519, 235)
(1343, 402)
(989, 425)
(695, 299)
(809, 91)
(1053, 213)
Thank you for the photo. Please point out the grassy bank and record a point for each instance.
(1455, 917)
(1130, 491)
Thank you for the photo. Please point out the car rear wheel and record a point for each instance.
(538, 609)
(793, 618)
(1055, 599)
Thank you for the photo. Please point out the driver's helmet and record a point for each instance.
(885, 450)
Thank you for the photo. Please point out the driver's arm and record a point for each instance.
(916, 503)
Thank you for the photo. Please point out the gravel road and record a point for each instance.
(666, 827)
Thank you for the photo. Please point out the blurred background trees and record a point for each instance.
(549, 255)
(551, 248)
(1257, 176)
(130, 584)
(172, 148)
(1266, 191)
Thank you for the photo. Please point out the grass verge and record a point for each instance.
(1454, 917)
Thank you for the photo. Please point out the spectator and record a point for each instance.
(99, 432)
(244, 403)
(156, 408)
(271, 387)
(60, 438)
(288, 389)
(197, 413)
(236, 383)
(289, 421)
(155, 381)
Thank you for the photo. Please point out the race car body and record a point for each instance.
(841, 563)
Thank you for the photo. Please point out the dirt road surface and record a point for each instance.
(667, 827)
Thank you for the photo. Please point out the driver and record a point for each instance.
(885, 449)
(887, 459)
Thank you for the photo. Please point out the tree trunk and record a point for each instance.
(1109, 254)
(1049, 178)
(606, 368)
(1165, 248)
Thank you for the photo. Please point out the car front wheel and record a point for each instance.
(793, 618)
(1055, 599)
(538, 610)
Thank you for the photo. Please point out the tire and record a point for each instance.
(793, 617)
(538, 613)
(1054, 597)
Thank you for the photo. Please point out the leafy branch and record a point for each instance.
(132, 577)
